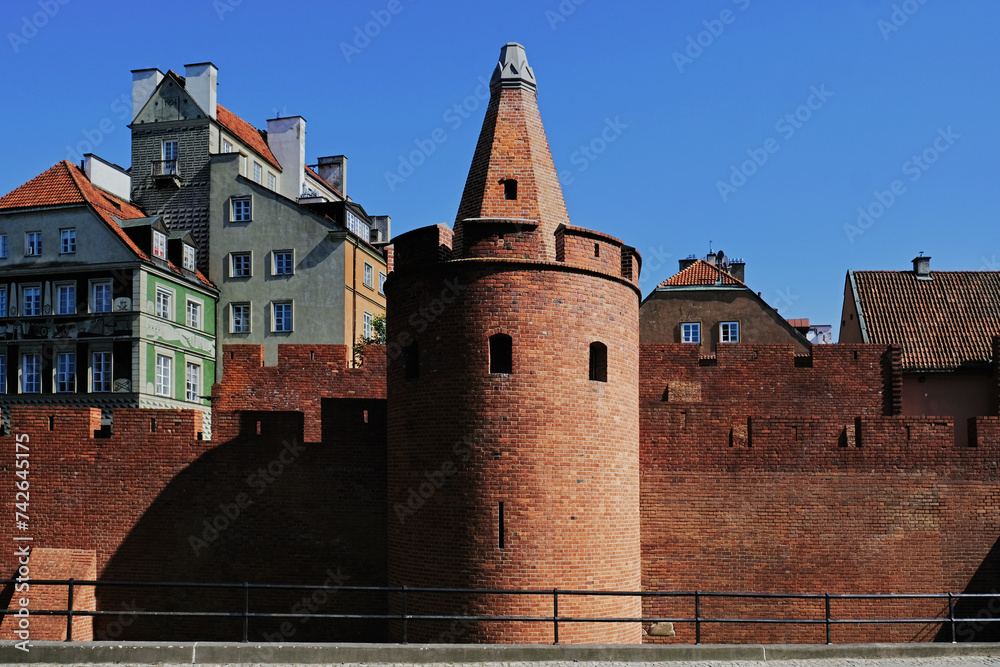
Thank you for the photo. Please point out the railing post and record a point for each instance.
(69, 611)
(951, 616)
(246, 611)
(827, 596)
(555, 615)
(404, 616)
(697, 617)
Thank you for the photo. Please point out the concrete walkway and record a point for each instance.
(732, 655)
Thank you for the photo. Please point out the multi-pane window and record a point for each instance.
(159, 245)
(163, 374)
(241, 264)
(282, 316)
(257, 172)
(32, 301)
(241, 318)
(170, 156)
(226, 146)
(3, 302)
(100, 371)
(192, 382)
(3, 373)
(164, 307)
(272, 181)
(381, 283)
(241, 209)
(66, 372)
(358, 226)
(194, 314)
(189, 257)
(729, 332)
(691, 332)
(369, 332)
(66, 299)
(283, 263)
(33, 244)
(31, 373)
(3, 246)
(369, 276)
(100, 298)
(67, 241)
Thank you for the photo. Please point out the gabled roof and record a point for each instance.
(941, 323)
(701, 273)
(246, 133)
(67, 184)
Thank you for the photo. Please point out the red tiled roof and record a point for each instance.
(245, 132)
(700, 273)
(799, 322)
(940, 323)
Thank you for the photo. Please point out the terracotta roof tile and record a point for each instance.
(941, 323)
(246, 133)
(700, 273)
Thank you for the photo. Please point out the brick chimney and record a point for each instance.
(922, 267)
(200, 81)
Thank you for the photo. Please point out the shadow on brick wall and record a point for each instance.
(985, 610)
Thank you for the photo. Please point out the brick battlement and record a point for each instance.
(128, 424)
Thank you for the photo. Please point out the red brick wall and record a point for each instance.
(56, 564)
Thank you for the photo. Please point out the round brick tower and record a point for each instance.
(513, 399)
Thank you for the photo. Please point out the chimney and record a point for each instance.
(710, 258)
(200, 84)
(107, 176)
(922, 267)
(333, 170)
(380, 228)
(286, 137)
(144, 83)
(737, 269)
(688, 261)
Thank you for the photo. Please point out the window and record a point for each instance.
(501, 353)
(239, 265)
(282, 263)
(66, 299)
(3, 246)
(272, 181)
(281, 316)
(67, 241)
(369, 333)
(170, 157)
(100, 372)
(3, 373)
(193, 314)
(100, 298)
(241, 209)
(189, 257)
(358, 226)
(66, 372)
(226, 146)
(510, 189)
(164, 306)
(163, 371)
(159, 244)
(31, 374)
(691, 332)
(599, 362)
(369, 276)
(192, 382)
(3, 302)
(257, 172)
(32, 301)
(33, 244)
(240, 313)
(381, 283)
(729, 332)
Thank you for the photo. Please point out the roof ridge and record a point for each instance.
(699, 276)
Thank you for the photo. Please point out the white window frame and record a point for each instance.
(249, 265)
(274, 316)
(691, 332)
(227, 146)
(369, 276)
(369, 332)
(3, 246)
(238, 203)
(247, 328)
(101, 378)
(67, 241)
(275, 265)
(190, 258)
(199, 308)
(164, 303)
(258, 172)
(727, 330)
(272, 181)
(60, 288)
(65, 377)
(192, 393)
(381, 283)
(163, 386)
(166, 157)
(36, 386)
(358, 226)
(94, 284)
(37, 291)
(159, 245)
(32, 244)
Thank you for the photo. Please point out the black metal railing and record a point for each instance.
(947, 614)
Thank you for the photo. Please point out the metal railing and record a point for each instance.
(165, 168)
(828, 619)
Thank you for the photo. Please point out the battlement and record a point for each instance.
(127, 424)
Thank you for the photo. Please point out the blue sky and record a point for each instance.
(764, 126)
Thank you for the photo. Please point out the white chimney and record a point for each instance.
(200, 84)
(107, 176)
(144, 83)
(286, 137)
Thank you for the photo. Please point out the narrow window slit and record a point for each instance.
(501, 529)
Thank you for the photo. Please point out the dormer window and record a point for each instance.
(189, 257)
(159, 245)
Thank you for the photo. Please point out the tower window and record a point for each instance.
(510, 189)
(599, 362)
(501, 354)
(411, 358)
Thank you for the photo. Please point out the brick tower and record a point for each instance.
(513, 423)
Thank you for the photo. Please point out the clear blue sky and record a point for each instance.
(886, 81)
